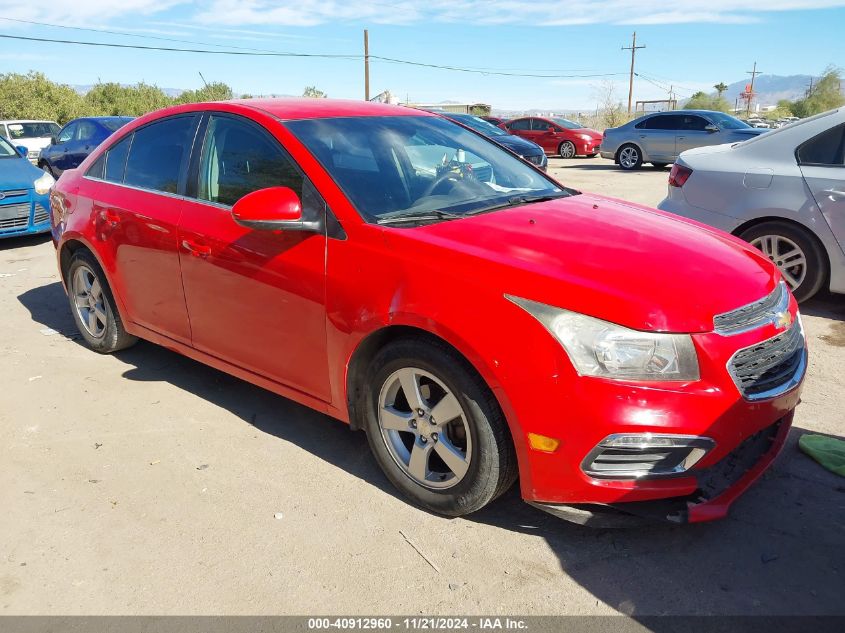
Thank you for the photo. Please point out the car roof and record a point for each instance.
(7, 121)
(309, 108)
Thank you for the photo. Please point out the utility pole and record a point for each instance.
(672, 97)
(810, 89)
(633, 48)
(366, 65)
(753, 74)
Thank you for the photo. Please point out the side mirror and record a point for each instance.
(550, 129)
(273, 209)
(711, 128)
(54, 140)
(22, 150)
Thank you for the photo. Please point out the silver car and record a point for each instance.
(784, 192)
(659, 138)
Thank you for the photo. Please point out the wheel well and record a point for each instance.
(742, 228)
(624, 145)
(359, 364)
(66, 254)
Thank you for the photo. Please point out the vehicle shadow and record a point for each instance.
(10, 243)
(779, 552)
(606, 167)
(827, 305)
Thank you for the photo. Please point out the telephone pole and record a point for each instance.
(366, 65)
(753, 74)
(633, 48)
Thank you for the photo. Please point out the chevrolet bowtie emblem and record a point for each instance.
(783, 320)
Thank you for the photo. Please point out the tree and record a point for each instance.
(215, 91)
(33, 96)
(826, 94)
(113, 99)
(314, 93)
(609, 111)
(721, 88)
(703, 101)
(480, 109)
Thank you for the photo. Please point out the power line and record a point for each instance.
(264, 53)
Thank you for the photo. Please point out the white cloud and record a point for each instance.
(497, 12)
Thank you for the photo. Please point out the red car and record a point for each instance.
(494, 120)
(559, 136)
(477, 319)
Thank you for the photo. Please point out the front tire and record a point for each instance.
(93, 307)
(566, 149)
(629, 157)
(795, 252)
(435, 428)
(45, 166)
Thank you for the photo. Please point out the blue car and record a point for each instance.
(76, 140)
(24, 193)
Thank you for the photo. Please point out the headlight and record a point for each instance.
(586, 137)
(601, 348)
(43, 184)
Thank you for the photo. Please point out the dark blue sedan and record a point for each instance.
(525, 149)
(76, 140)
(24, 189)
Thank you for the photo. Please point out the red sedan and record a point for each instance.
(559, 136)
(477, 319)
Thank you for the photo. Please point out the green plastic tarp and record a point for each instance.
(827, 451)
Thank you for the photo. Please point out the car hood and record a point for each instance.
(749, 131)
(18, 173)
(613, 260)
(519, 145)
(585, 130)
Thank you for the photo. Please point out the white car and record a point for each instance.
(783, 191)
(34, 135)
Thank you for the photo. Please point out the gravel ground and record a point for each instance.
(146, 483)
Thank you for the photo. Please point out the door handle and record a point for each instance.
(196, 250)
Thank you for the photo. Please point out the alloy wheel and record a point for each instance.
(629, 157)
(567, 150)
(424, 428)
(89, 301)
(786, 255)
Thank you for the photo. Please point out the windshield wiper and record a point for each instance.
(518, 200)
(418, 216)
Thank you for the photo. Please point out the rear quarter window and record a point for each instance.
(825, 149)
(158, 153)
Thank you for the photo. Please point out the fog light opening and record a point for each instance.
(645, 455)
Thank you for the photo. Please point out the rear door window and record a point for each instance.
(825, 149)
(159, 153)
(664, 122)
(85, 131)
(520, 124)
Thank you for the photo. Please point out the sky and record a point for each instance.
(574, 46)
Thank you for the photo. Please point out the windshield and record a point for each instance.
(567, 124)
(406, 165)
(32, 130)
(7, 150)
(727, 122)
(479, 125)
(116, 123)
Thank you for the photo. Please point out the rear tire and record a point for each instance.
(629, 157)
(479, 461)
(93, 307)
(795, 252)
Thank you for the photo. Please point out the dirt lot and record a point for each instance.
(146, 483)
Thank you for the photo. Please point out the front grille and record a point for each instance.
(13, 193)
(14, 216)
(753, 315)
(734, 465)
(41, 215)
(772, 367)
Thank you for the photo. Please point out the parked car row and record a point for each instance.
(415, 279)
(23, 187)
